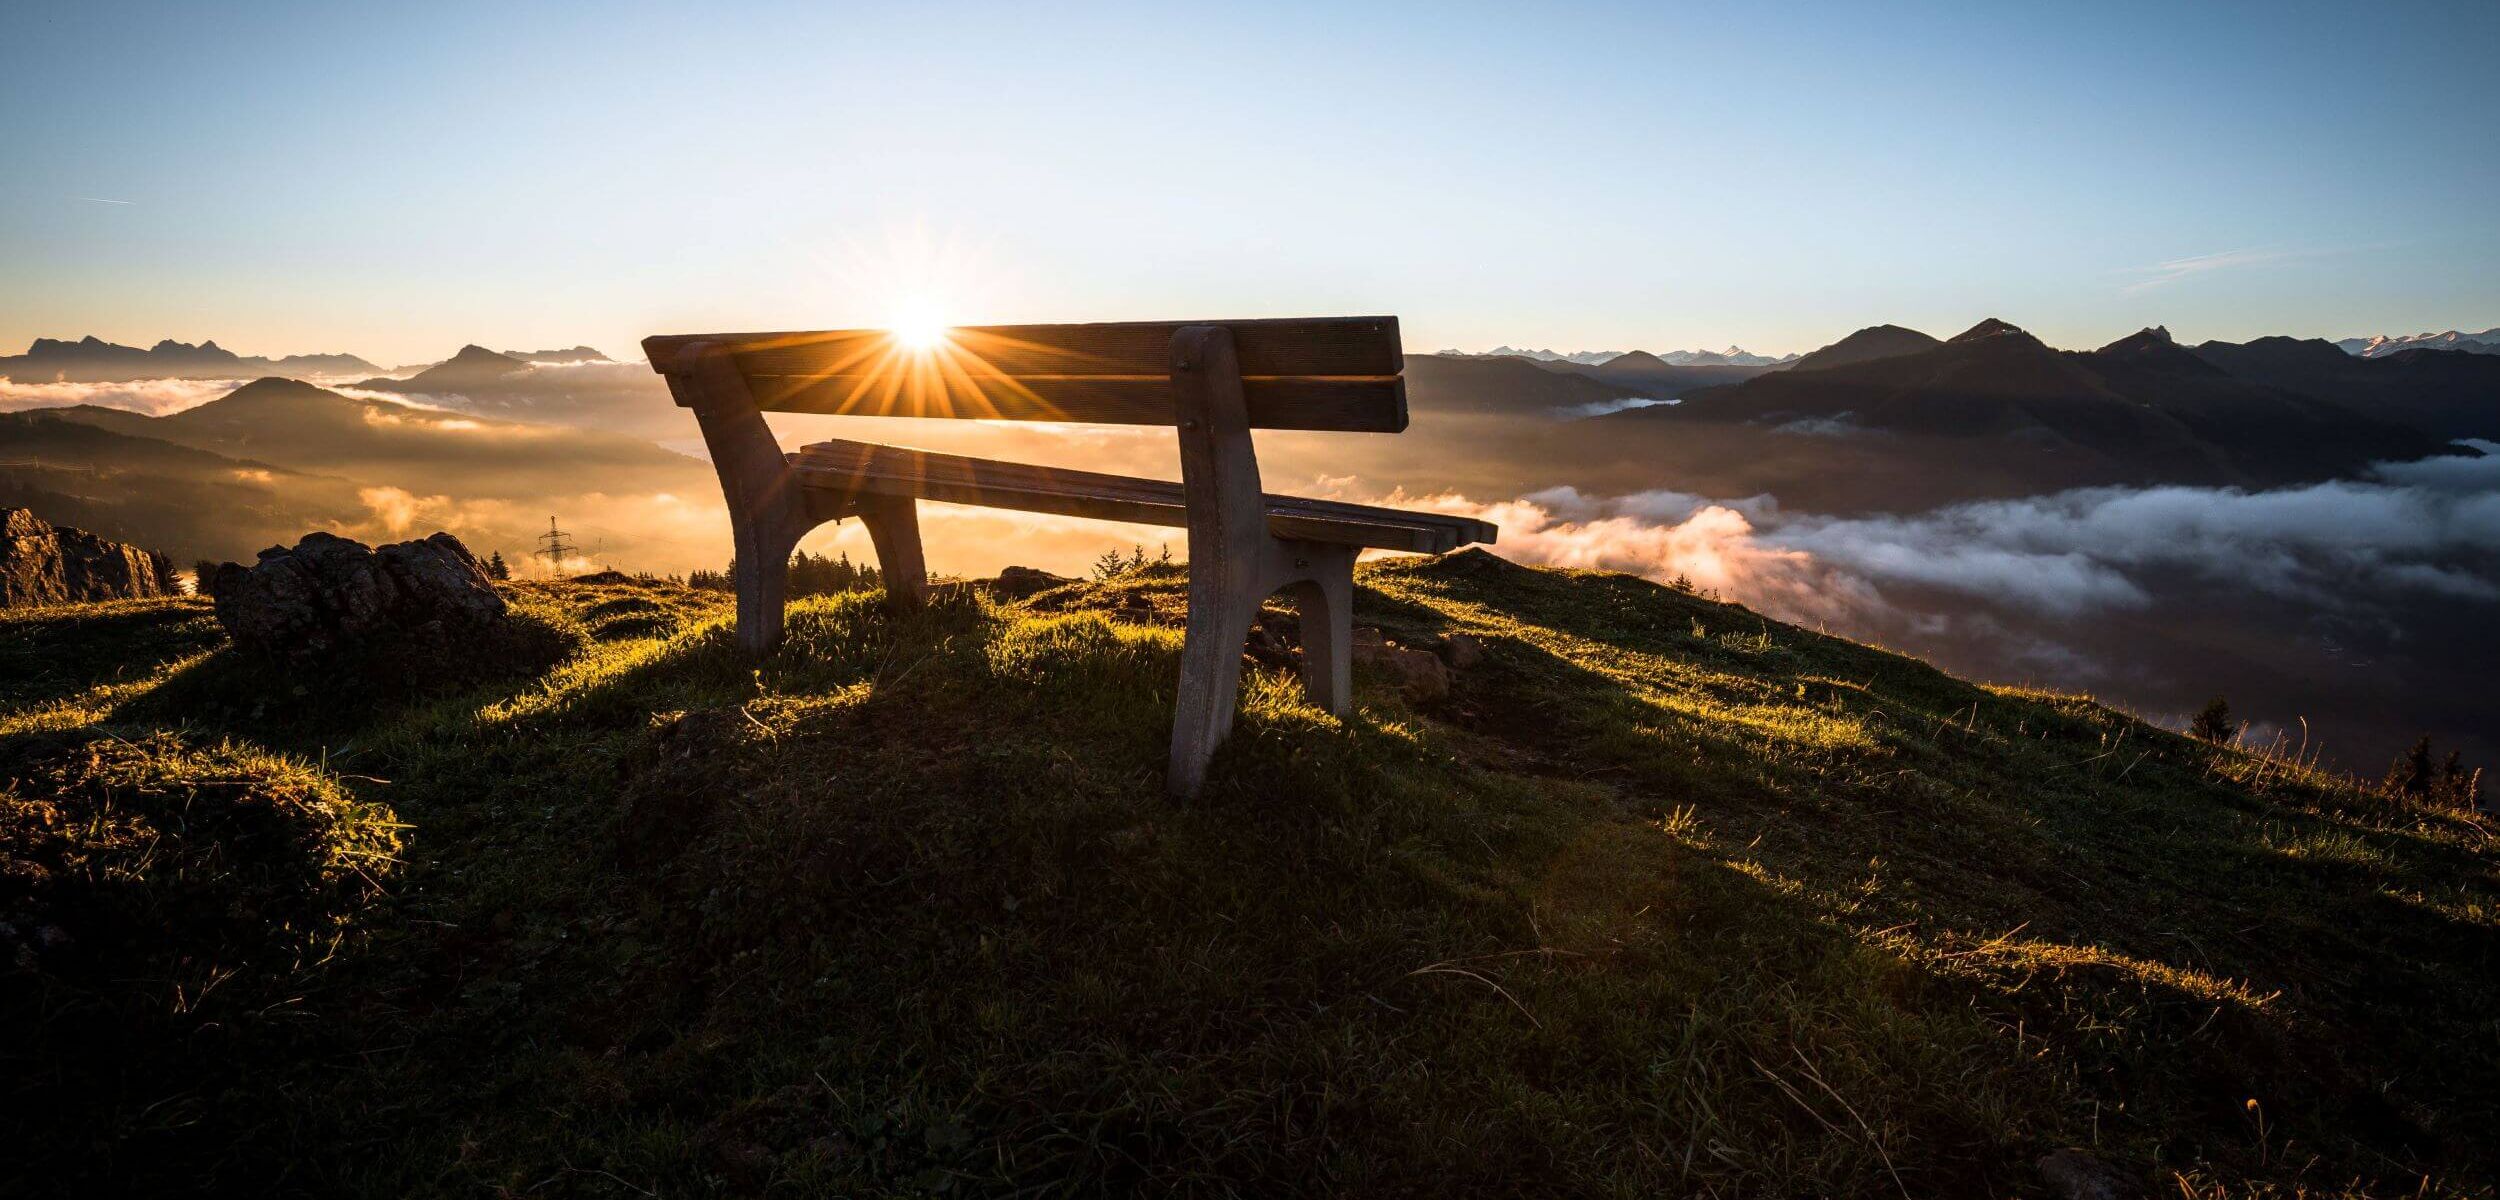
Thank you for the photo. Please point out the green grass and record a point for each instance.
(1665, 898)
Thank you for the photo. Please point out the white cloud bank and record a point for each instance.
(2429, 527)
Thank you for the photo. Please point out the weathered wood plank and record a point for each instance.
(1340, 405)
(1323, 346)
(903, 463)
(868, 469)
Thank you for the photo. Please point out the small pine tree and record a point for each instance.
(203, 578)
(496, 567)
(2213, 722)
(2412, 775)
(1109, 565)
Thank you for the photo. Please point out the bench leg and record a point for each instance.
(766, 513)
(1219, 622)
(894, 528)
(763, 583)
(1324, 603)
(1230, 552)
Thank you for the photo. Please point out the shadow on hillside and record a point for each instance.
(307, 707)
(905, 902)
(2311, 949)
(49, 655)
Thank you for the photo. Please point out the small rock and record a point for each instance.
(1461, 651)
(2075, 1175)
(1365, 635)
(1419, 674)
(1016, 583)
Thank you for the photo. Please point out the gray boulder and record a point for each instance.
(331, 593)
(41, 563)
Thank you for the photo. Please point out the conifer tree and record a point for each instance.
(2213, 722)
(2412, 775)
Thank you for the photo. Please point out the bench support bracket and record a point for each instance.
(769, 511)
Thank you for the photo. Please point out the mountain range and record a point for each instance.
(276, 457)
(94, 360)
(1733, 356)
(2140, 410)
(2486, 342)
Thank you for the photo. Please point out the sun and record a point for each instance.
(917, 327)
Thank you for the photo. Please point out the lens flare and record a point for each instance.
(917, 327)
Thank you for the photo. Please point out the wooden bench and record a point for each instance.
(1212, 381)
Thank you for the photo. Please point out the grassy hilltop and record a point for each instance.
(1664, 899)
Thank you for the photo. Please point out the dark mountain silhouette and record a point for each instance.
(474, 366)
(94, 360)
(1872, 342)
(2439, 392)
(1512, 386)
(2153, 348)
(578, 354)
(1996, 412)
(578, 387)
(1645, 374)
(1655, 377)
(1992, 327)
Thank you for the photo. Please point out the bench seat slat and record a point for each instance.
(863, 468)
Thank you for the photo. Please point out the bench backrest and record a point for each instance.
(1326, 373)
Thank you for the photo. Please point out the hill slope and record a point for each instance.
(1664, 899)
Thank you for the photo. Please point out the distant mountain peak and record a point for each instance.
(1990, 328)
(1872, 342)
(2149, 337)
(2153, 347)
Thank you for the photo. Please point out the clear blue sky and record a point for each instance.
(394, 180)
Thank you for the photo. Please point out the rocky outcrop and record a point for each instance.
(330, 593)
(41, 563)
